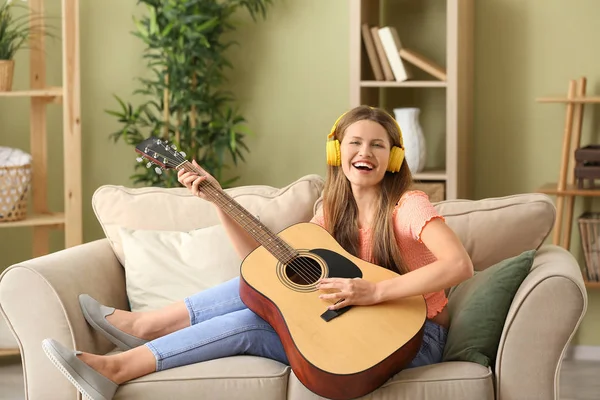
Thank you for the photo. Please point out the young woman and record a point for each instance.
(368, 208)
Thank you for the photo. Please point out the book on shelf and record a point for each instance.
(385, 64)
(391, 44)
(372, 52)
(423, 63)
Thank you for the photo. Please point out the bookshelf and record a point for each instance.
(446, 102)
(40, 218)
(565, 188)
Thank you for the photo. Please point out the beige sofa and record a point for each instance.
(39, 300)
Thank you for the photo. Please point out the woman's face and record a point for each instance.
(365, 153)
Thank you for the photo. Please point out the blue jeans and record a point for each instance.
(222, 326)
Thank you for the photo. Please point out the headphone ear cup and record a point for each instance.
(333, 153)
(396, 158)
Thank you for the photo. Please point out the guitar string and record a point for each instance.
(312, 271)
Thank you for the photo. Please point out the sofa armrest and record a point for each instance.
(543, 318)
(39, 299)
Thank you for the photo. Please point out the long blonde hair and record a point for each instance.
(340, 211)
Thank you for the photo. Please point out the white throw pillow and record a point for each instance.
(162, 267)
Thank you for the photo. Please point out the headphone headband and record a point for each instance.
(334, 127)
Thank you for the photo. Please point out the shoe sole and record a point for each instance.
(67, 371)
(107, 335)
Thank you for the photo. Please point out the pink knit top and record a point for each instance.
(411, 214)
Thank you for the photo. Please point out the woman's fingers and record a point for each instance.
(195, 185)
(189, 180)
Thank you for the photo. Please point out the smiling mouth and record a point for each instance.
(363, 166)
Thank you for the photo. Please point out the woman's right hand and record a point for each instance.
(192, 180)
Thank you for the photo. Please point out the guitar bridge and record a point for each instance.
(331, 314)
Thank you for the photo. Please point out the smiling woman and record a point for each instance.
(374, 219)
(369, 209)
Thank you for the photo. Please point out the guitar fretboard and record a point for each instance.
(269, 240)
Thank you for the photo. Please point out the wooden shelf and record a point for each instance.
(570, 190)
(9, 352)
(562, 99)
(430, 175)
(52, 92)
(37, 220)
(592, 285)
(448, 100)
(420, 84)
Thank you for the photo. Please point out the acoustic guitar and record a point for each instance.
(338, 354)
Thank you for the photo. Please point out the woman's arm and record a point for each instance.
(453, 265)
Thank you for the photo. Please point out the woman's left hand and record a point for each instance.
(355, 291)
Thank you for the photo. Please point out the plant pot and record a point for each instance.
(7, 68)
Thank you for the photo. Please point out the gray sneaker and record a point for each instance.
(95, 314)
(92, 384)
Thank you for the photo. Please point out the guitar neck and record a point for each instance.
(252, 225)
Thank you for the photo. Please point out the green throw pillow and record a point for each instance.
(478, 309)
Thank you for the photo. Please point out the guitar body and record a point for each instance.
(335, 355)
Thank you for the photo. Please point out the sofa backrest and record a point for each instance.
(494, 229)
(176, 209)
(497, 228)
(491, 229)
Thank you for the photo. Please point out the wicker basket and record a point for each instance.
(589, 228)
(7, 68)
(435, 190)
(14, 187)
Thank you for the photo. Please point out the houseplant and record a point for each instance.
(14, 34)
(184, 101)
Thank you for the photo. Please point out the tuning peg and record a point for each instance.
(183, 154)
(139, 159)
(158, 170)
(148, 165)
(174, 147)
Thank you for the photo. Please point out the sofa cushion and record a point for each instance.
(239, 377)
(166, 266)
(176, 209)
(478, 309)
(449, 380)
(495, 229)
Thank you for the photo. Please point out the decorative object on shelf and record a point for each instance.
(587, 165)
(7, 70)
(15, 179)
(589, 228)
(14, 35)
(414, 139)
(185, 103)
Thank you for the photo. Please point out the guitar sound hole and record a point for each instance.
(303, 271)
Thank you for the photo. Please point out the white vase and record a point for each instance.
(413, 137)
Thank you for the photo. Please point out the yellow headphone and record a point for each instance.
(333, 149)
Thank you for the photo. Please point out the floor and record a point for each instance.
(580, 380)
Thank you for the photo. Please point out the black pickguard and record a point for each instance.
(339, 267)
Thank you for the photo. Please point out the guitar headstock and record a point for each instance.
(159, 152)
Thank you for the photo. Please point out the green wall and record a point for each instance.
(291, 78)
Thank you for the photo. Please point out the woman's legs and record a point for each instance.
(432, 346)
(149, 325)
(234, 333)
